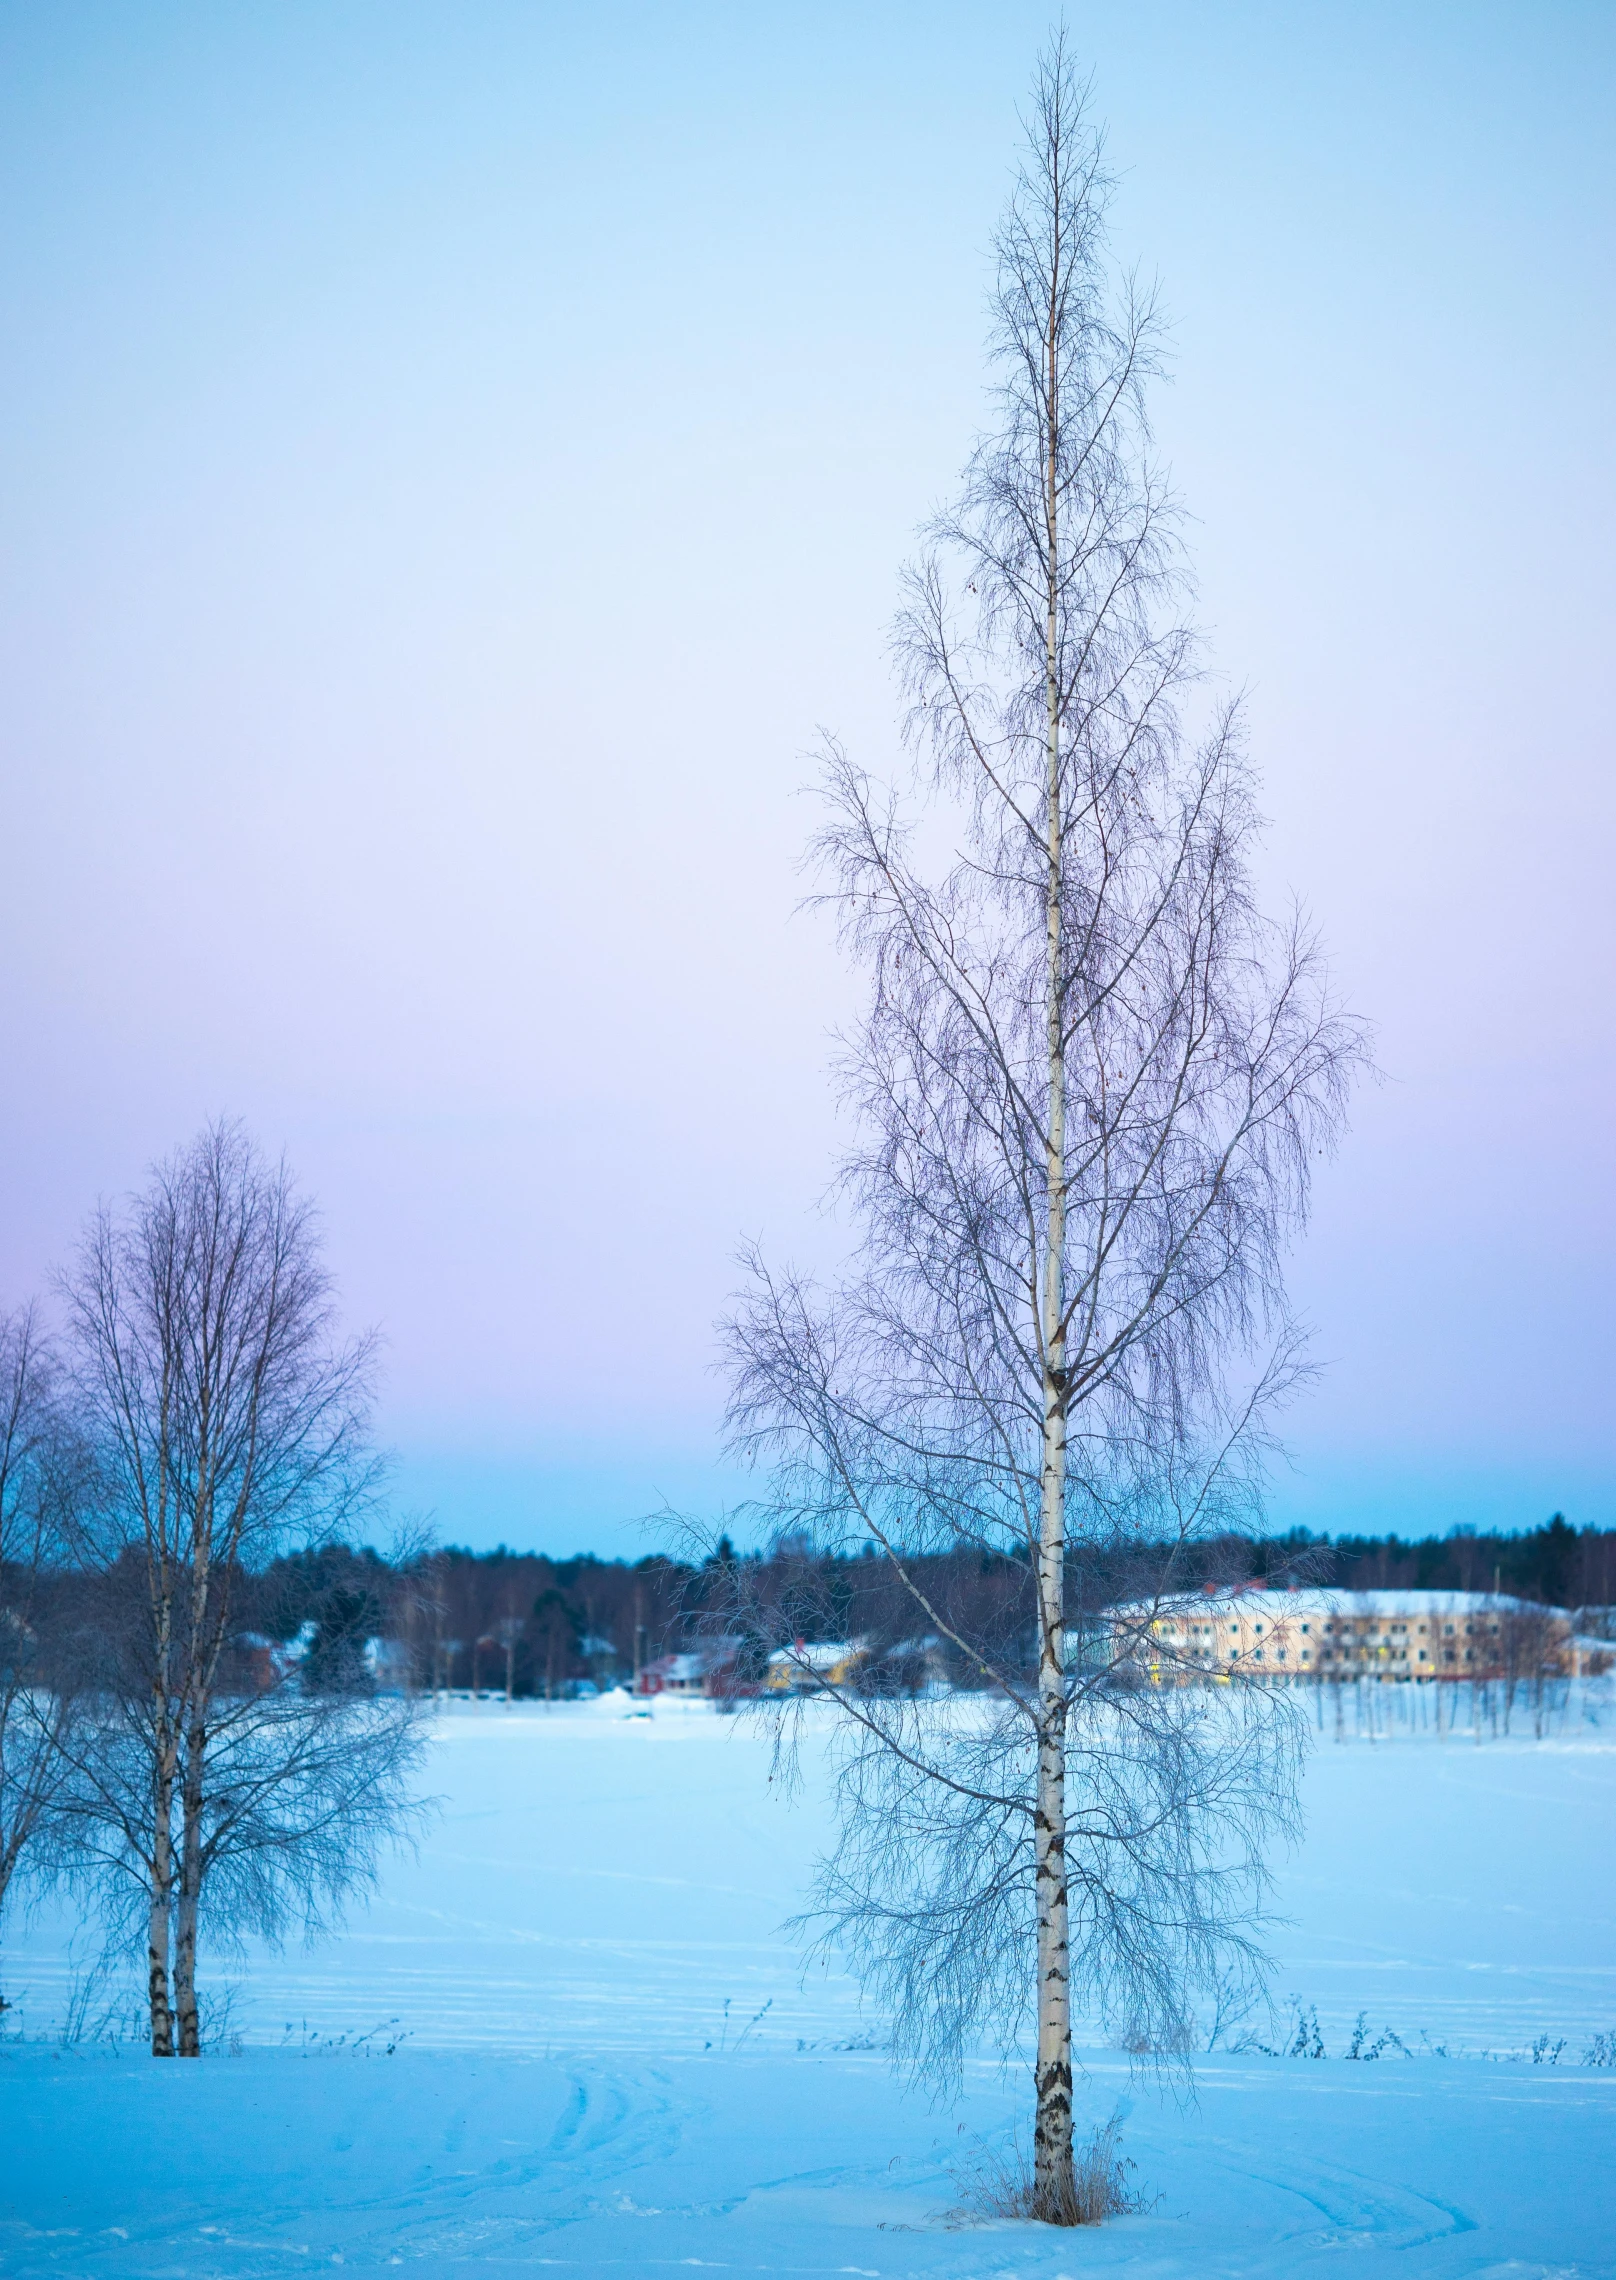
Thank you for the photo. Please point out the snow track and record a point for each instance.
(449, 2165)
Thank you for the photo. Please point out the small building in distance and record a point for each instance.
(1306, 1633)
(705, 1670)
(807, 1666)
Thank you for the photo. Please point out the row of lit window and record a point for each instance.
(1167, 1627)
(1259, 1654)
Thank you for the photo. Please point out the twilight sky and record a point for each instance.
(452, 460)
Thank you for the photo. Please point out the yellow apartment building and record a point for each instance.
(1307, 1633)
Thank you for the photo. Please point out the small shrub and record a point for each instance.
(1101, 2187)
(1004, 2185)
(1602, 2050)
(1306, 2042)
(1547, 2053)
(1234, 1998)
(1362, 2047)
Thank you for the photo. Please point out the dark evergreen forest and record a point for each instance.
(470, 1619)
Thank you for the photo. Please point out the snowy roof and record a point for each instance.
(814, 1654)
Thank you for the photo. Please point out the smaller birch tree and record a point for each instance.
(225, 1424)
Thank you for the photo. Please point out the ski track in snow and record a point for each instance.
(572, 2094)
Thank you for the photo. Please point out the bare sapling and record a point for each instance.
(1089, 1084)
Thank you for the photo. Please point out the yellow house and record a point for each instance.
(808, 1665)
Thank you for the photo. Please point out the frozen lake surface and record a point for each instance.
(606, 2057)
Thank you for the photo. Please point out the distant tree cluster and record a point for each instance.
(1556, 1564)
(528, 1625)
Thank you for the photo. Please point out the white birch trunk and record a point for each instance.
(204, 1643)
(159, 1915)
(190, 1897)
(1052, 2136)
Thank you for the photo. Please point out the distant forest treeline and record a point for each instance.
(542, 1624)
(1560, 1565)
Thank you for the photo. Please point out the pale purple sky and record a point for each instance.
(454, 458)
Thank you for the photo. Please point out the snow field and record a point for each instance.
(611, 2062)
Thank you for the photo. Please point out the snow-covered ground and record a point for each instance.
(605, 2057)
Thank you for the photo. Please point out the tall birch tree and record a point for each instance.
(1089, 1082)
